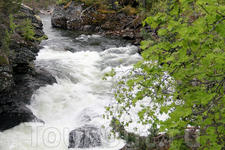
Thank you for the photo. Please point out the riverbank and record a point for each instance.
(19, 78)
(77, 16)
(125, 22)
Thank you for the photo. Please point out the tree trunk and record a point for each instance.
(33, 6)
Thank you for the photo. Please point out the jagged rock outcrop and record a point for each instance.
(77, 16)
(6, 77)
(19, 78)
(85, 137)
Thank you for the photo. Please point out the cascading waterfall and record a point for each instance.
(77, 100)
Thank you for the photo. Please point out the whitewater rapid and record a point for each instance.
(78, 98)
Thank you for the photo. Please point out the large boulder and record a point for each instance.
(129, 35)
(85, 137)
(12, 113)
(67, 17)
(58, 19)
(13, 101)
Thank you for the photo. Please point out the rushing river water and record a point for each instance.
(78, 60)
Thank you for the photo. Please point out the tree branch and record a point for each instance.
(204, 9)
(83, 12)
(214, 26)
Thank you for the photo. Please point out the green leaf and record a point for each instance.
(221, 30)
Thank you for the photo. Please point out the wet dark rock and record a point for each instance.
(19, 78)
(85, 137)
(107, 26)
(27, 10)
(6, 78)
(74, 24)
(13, 113)
(23, 55)
(60, 22)
(27, 83)
(63, 18)
(88, 28)
(128, 35)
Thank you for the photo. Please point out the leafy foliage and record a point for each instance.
(152, 7)
(6, 38)
(182, 74)
(27, 30)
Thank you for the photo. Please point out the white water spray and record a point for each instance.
(77, 99)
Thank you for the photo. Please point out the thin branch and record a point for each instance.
(219, 75)
(190, 47)
(220, 13)
(208, 35)
(130, 22)
(207, 109)
(83, 12)
(220, 83)
(204, 9)
(215, 101)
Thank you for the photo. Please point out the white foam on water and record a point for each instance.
(77, 99)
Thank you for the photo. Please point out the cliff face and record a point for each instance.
(19, 78)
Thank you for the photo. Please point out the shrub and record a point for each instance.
(181, 75)
(27, 30)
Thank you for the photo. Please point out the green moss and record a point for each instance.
(3, 60)
(105, 11)
(62, 2)
(129, 10)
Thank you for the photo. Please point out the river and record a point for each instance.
(78, 60)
